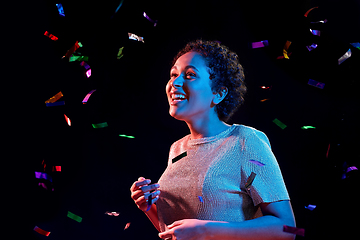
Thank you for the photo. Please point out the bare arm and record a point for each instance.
(152, 215)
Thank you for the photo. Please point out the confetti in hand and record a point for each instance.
(149, 202)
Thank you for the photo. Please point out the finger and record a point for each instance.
(136, 194)
(165, 235)
(143, 182)
(151, 187)
(176, 223)
(153, 194)
(141, 178)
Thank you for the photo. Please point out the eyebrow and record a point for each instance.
(187, 67)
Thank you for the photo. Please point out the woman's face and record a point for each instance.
(188, 90)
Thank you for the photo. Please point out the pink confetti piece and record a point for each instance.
(115, 214)
(41, 231)
(127, 225)
(294, 230)
(352, 168)
(88, 73)
(260, 44)
(257, 163)
(86, 98)
(67, 120)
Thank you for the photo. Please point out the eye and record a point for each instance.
(190, 74)
(173, 75)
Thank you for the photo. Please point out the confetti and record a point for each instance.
(72, 49)
(41, 175)
(311, 47)
(200, 199)
(67, 120)
(321, 21)
(257, 163)
(60, 9)
(120, 54)
(52, 37)
(148, 18)
(149, 202)
(250, 180)
(260, 44)
(263, 100)
(100, 125)
(55, 104)
(56, 168)
(115, 214)
(286, 48)
(85, 65)
(345, 56)
(327, 152)
(135, 37)
(282, 57)
(74, 216)
(184, 154)
(317, 84)
(352, 168)
(307, 127)
(294, 230)
(74, 58)
(310, 207)
(54, 98)
(264, 87)
(117, 9)
(315, 32)
(279, 123)
(88, 73)
(357, 45)
(307, 12)
(44, 186)
(86, 98)
(126, 136)
(41, 231)
(127, 225)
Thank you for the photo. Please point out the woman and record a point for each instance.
(222, 181)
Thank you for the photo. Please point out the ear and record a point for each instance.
(219, 96)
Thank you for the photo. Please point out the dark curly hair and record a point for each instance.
(225, 71)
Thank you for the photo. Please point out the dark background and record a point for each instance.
(98, 166)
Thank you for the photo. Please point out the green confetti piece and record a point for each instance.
(74, 216)
(100, 125)
(279, 123)
(307, 127)
(120, 55)
(78, 58)
(80, 45)
(122, 135)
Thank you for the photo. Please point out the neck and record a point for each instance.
(206, 127)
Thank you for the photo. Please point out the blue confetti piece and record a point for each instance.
(60, 9)
(55, 104)
(200, 199)
(316, 84)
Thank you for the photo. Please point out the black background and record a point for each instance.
(98, 166)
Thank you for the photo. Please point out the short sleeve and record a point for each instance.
(257, 157)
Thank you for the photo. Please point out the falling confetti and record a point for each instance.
(41, 231)
(250, 180)
(115, 214)
(67, 120)
(54, 98)
(135, 37)
(307, 127)
(263, 100)
(100, 125)
(345, 56)
(260, 44)
(311, 47)
(126, 136)
(55, 104)
(52, 37)
(200, 199)
(315, 32)
(120, 54)
(310, 207)
(86, 98)
(85, 65)
(88, 73)
(74, 58)
(294, 230)
(357, 45)
(72, 49)
(127, 225)
(148, 18)
(257, 163)
(41, 175)
(60, 9)
(279, 123)
(286, 48)
(184, 154)
(307, 12)
(56, 168)
(74, 216)
(317, 84)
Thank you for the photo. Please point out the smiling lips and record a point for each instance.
(176, 98)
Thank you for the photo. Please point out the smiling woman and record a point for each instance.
(222, 181)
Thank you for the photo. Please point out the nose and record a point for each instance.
(177, 82)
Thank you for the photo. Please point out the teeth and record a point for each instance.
(178, 96)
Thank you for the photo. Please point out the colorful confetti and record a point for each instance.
(315, 32)
(257, 163)
(44, 186)
(74, 58)
(72, 49)
(357, 45)
(52, 37)
(149, 202)
(307, 12)
(120, 54)
(127, 225)
(60, 9)
(56, 168)
(200, 199)
(126, 136)
(264, 87)
(67, 120)
(311, 47)
(317, 84)
(136, 37)
(279, 123)
(115, 214)
(345, 56)
(260, 44)
(263, 100)
(54, 98)
(286, 48)
(88, 73)
(310, 207)
(352, 168)
(250, 180)
(74, 216)
(308, 127)
(184, 154)
(148, 18)
(41, 175)
(100, 125)
(85, 65)
(86, 98)
(294, 230)
(55, 104)
(41, 231)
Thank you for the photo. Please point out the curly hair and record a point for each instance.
(225, 71)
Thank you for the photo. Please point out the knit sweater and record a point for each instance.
(212, 181)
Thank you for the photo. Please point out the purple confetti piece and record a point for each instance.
(200, 199)
(148, 18)
(42, 175)
(315, 32)
(351, 169)
(294, 230)
(257, 163)
(316, 84)
(311, 47)
(260, 44)
(310, 207)
(86, 98)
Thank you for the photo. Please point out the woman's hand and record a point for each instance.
(141, 190)
(186, 229)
